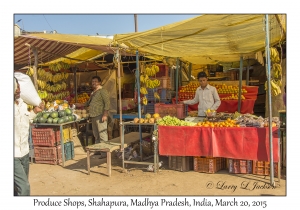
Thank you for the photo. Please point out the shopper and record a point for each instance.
(21, 154)
(206, 95)
(98, 104)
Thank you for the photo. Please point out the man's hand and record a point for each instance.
(37, 109)
(104, 118)
(42, 106)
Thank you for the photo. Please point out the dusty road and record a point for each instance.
(54, 180)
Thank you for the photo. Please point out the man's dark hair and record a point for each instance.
(97, 77)
(201, 74)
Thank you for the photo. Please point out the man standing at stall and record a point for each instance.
(98, 104)
(206, 95)
(21, 145)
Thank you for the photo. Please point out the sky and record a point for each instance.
(91, 24)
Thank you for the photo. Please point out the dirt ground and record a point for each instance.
(73, 180)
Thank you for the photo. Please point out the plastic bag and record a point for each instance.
(28, 91)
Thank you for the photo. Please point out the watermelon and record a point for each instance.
(35, 120)
(55, 120)
(54, 114)
(42, 120)
(46, 115)
(61, 113)
(66, 118)
(49, 120)
(68, 111)
(60, 121)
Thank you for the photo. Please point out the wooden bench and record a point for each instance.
(112, 145)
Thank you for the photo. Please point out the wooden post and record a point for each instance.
(35, 53)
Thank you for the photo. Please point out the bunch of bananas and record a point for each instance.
(145, 100)
(156, 95)
(152, 83)
(275, 89)
(44, 75)
(58, 96)
(274, 55)
(42, 94)
(58, 77)
(42, 84)
(56, 87)
(30, 71)
(151, 71)
(143, 90)
(144, 78)
(276, 71)
(56, 67)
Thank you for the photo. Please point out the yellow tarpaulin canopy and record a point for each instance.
(208, 39)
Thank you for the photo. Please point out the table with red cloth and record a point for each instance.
(249, 143)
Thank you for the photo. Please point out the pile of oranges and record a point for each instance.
(81, 98)
(227, 123)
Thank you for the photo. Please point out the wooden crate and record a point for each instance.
(237, 166)
(209, 164)
(181, 163)
(263, 168)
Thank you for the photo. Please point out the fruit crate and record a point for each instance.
(69, 150)
(165, 82)
(45, 137)
(263, 168)
(181, 163)
(67, 133)
(174, 110)
(209, 164)
(47, 153)
(237, 166)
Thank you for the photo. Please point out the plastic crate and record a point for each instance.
(67, 133)
(47, 153)
(149, 108)
(45, 137)
(181, 163)
(163, 70)
(263, 168)
(69, 150)
(237, 166)
(209, 164)
(174, 110)
(165, 82)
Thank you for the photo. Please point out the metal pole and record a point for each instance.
(248, 68)
(75, 83)
(268, 69)
(176, 84)
(35, 52)
(137, 75)
(120, 92)
(240, 84)
(135, 23)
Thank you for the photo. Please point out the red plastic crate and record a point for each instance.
(163, 70)
(263, 168)
(237, 166)
(174, 110)
(209, 164)
(47, 153)
(45, 137)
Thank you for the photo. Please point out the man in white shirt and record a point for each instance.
(206, 95)
(21, 145)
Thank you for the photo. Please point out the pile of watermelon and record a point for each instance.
(55, 117)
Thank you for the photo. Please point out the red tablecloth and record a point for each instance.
(229, 106)
(239, 143)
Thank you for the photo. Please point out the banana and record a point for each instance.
(274, 55)
(145, 100)
(156, 95)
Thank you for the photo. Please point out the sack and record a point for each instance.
(28, 91)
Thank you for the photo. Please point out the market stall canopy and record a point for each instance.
(56, 46)
(208, 39)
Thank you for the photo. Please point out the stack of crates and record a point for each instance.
(46, 145)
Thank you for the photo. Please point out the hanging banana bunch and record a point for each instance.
(151, 71)
(274, 55)
(276, 71)
(144, 100)
(275, 89)
(152, 83)
(156, 95)
(30, 71)
(143, 90)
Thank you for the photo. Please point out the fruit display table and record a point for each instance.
(229, 106)
(249, 143)
(48, 125)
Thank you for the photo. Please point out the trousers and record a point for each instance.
(99, 129)
(21, 171)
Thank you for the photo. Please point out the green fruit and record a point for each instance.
(50, 120)
(68, 111)
(39, 114)
(46, 115)
(35, 120)
(60, 121)
(42, 120)
(55, 120)
(54, 114)
(61, 113)
(66, 118)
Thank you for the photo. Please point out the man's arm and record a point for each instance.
(106, 100)
(193, 101)
(216, 99)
